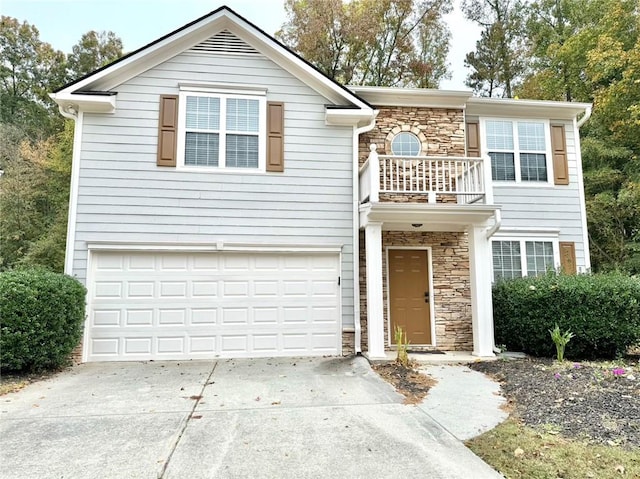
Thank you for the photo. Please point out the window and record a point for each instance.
(405, 144)
(506, 260)
(519, 257)
(518, 150)
(222, 131)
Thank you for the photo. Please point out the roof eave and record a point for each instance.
(199, 30)
(75, 102)
(421, 97)
(530, 108)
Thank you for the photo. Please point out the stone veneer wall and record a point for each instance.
(451, 285)
(441, 130)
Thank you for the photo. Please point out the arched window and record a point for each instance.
(405, 144)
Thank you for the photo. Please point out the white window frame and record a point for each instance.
(223, 95)
(523, 239)
(516, 150)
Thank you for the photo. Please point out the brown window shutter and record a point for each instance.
(568, 257)
(275, 136)
(559, 151)
(473, 139)
(168, 130)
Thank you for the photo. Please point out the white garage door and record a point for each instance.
(206, 305)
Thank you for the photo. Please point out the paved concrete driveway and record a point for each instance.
(277, 418)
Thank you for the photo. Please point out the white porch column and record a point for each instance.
(482, 307)
(375, 304)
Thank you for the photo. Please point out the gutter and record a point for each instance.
(585, 117)
(356, 230)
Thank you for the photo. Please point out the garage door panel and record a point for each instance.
(205, 305)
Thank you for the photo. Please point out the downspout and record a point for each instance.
(356, 229)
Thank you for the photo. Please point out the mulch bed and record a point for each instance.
(585, 401)
(409, 382)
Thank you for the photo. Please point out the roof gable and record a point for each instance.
(221, 28)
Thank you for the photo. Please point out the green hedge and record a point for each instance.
(602, 310)
(41, 318)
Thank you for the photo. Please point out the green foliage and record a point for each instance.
(499, 61)
(29, 70)
(371, 42)
(561, 340)
(601, 310)
(34, 198)
(41, 316)
(94, 50)
(400, 338)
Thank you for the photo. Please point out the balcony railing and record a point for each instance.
(446, 179)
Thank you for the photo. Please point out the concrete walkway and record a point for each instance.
(464, 402)
(268, 418)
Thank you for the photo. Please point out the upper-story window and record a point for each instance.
(222, 130)
(518, 150)
(405, 144)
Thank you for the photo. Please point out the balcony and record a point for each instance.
(425, 179)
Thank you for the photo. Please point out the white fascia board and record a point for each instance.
(348, 116)
(184, 39)
(508, 107)
(85, 103)
(421, 97)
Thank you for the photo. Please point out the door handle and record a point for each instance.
(426, 296)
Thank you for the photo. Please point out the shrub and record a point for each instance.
(41, 317)
(602, 310)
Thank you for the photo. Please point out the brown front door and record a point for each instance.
(409, 294)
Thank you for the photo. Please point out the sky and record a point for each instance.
(138, 22)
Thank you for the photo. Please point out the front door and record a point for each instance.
(409, 294)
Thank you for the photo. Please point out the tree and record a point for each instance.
(485, 62)
(371, 42)
(499, 58)
(34, 196)
(94, 50)
(29, 69)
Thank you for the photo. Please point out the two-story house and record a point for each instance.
(229, 200)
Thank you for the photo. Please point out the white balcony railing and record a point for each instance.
(467, 180)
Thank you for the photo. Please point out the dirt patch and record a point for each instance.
(598, 402)
(408, 381)
(11, 383)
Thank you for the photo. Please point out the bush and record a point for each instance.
(601, 310)
(41, 318)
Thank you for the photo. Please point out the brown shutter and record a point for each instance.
(559, 151)
(473, 139)
(275, 136)
(167, 130)
(568, 257)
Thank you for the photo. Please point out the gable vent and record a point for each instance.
(225, 42)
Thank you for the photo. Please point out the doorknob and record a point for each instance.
(426, 296)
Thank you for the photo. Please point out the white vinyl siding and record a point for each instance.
(125, 197)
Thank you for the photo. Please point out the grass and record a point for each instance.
(520, 452)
